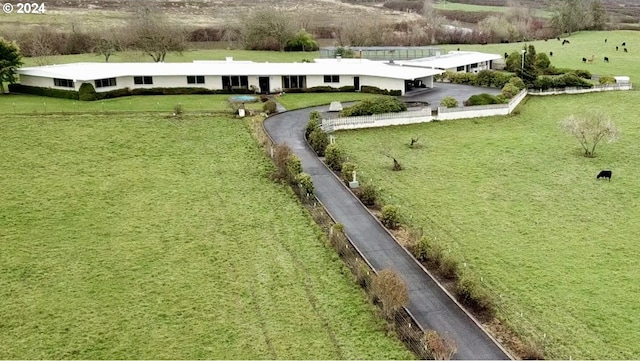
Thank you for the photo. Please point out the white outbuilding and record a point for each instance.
(456, 61)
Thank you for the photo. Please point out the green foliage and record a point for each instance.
(312, 125)
(514, 62)
(178, 109)
(334, 157)
(304, 181)
(302, 41)
(542, 61)
(562, 81)
(470, 292)
(510, 90)
(87, 92)
(293, 168)
(375, 90)
(319, 140)
(315, 115)
(347, 171)
(605, 79)
(517, 82)
(345, 52)
(368, 195)
(482, 99)
(462, 78)
(449, 102)
(390, 216)
(379, 105)
(270, 107)
(10, 61)
(46, 92)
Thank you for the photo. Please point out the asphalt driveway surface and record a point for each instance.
(440, 90)
(429, 304)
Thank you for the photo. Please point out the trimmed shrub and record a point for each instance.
(449, 102)
(42, 91)
(374, 106)
(389, 287)
(607, 80)
(305, 183)
(571, 80)
(581, 73)
(347, 171)
(270, 107)
(347, 88)
(544, 83)
(542, 61)
(470, 293)
(87, 92)
(368, 195)
(293, 168)
(485, 78)
(390, 217)
(334, 157)
(462, 78)
(375, 90)
(510, 90)
(319, 140)
(312, 125)
(482, 99)
(517, 82)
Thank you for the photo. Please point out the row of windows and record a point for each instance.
(100, 83)
(331, 78)
(195, 79)
(142, 80)
(235, 81)
(67, 83)
(294, 81)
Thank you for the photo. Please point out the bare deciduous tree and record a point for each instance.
(391, 290)
(267, 28)
(153, 33)
(590, 130)
(108, 43)
(440, 348)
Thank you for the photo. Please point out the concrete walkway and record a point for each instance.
(428, 303)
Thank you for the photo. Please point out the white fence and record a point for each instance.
(574, 90)
(481, 110)
(377, 120)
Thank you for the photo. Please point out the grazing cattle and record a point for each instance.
(565, 41)
(551, 53)
(558, 38)
(604, 174)
(625, 50)
(616, 48)
(506, 55)
(605, 40)
(624, 43)
(584, 60)
(606, 60)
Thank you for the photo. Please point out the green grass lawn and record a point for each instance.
(142, 237)
(583, 45)
(448, 5)
(517, 201)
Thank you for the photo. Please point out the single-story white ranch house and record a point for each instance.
(229, 75)
(455, 61)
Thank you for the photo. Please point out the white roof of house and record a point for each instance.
(453, 59)
(92, 71)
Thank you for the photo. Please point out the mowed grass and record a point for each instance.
(448, 5)
(215, 103)
(138, 237)
(583, 45)
(516, 200)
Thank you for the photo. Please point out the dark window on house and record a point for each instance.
(474, 65)
(195, 79)
(67, 83)
(101, 83)
(460, 68)
(331, 78)
(235, 81)
(294, 81)
(142, 80)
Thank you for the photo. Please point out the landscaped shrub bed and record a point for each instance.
(374, 106)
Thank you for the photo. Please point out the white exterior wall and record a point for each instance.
(174, 81)
(44, 82)
(382, 83)
(482, 65)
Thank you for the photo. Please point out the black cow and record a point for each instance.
(565, 41)
(625, 50)
(606, 60)
(604, 174)
(551, 53)
(584, 60)
(616, 48)
(605, 40)
(506, 55)
(558, 38)
(624, 43)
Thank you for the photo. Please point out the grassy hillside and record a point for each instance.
(138, 237)
(515, 199)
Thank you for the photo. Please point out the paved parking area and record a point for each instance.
(440, 90)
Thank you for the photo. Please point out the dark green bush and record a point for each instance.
(543, 83)
(347, 171)
(607, 80)
(347, 88)
(270, 107)
(368, 195)
(471, 293)
(319, 140)
(571, 80)
(462, 78)
(485, 78)
(581, 73)
(374, 106)
(334, 157)
(87, 92)
(390, 217)
(517, 82)
(293, 168)
(510, 90)
(312, 125)
(304, 181)
(42, 91)
(542, 61)
(482, 99)
(302, 41)
(375, 90)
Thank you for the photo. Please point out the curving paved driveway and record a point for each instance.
(428, 303)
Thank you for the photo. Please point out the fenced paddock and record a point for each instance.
(574, 90)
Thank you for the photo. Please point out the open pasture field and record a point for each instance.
(515, 199)
(138, 237)
(583, 45)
